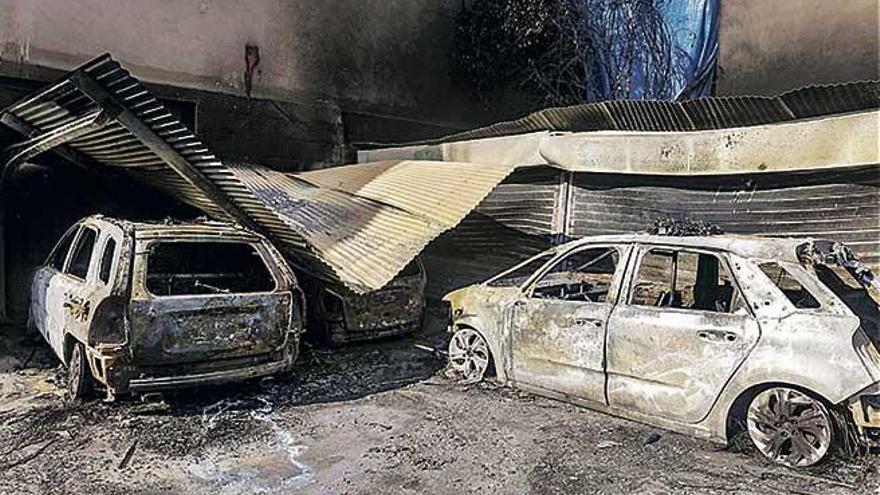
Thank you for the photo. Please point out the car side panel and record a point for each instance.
(659, 363)
(811, 349)
(560, 345)
(673, 362)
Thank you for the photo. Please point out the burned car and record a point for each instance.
(712, 336)
(145, 307)
(338, 316)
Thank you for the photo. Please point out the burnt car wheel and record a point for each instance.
(469, 355)
(789, 427)
(79, 377)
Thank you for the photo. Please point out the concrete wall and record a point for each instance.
(376, 56)
(768, 47)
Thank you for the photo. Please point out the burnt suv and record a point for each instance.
(142, 307)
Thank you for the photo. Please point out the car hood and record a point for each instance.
(482, 295)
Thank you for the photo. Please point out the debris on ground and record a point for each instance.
(372, 418)
(683, 227)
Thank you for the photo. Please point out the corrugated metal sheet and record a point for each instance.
(518, 219)
(372, 227)
(692, 115)
(842, 204)
(114, 145)
(440, 192)
(361, 238)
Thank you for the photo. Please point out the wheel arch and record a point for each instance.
(737, 409)
(67, 346)
(497, 359)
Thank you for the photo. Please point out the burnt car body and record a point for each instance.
(703, 335)
(338, 315)
(144, 307)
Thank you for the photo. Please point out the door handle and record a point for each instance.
(582, 322)
(717, 336)
(519, 304)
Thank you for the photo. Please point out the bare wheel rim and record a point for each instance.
(74, 378)
(789, 427)
(469, 354)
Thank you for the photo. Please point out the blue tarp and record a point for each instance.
(692, 27)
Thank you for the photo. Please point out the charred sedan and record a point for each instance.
(141, 307)
(708, 336)
(338, 316)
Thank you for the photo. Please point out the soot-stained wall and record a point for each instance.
(768, 47)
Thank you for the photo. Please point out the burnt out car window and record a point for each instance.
(581, 276)
(59, 254)
(796, 293)
(207, 267)
(863, 301)
(82, 253)
(686, 280)
(518, 274)
(107, 260)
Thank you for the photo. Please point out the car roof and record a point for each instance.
(169, 229)
(747, 246)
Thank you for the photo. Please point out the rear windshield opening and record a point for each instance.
(192, 268)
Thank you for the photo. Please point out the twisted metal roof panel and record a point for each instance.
(360, 236)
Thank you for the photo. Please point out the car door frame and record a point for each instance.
(50, 322)
(80, 300)
(595, 393)
(749, 341)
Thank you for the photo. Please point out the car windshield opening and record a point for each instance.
(581, 276)
(413, 269)
(517, 275)
(206, 267)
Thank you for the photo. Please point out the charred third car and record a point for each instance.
(706, 335)
(338, 316)
(141, 307)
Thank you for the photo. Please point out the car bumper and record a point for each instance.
(139, 385)
(111, 366)
(865, 410)
(340, 333)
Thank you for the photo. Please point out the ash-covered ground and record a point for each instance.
(365, 419)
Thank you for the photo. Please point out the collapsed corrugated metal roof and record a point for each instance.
(368, 222)
(692, 115)
(103, 116)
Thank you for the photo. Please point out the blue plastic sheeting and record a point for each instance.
(631, 71)
(693, 29)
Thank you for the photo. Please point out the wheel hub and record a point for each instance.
(789, 427)
(469, 354)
